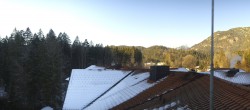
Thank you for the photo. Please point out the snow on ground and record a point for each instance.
(180, 70)
(87, 84)
(238, 78)
(47, 108)
(67, 79)
(2, 92)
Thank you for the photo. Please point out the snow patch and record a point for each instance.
(180, 70)
(47, 108)
(94, 67)
(67, 79)
(171, 105)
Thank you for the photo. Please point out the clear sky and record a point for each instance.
(170, 23)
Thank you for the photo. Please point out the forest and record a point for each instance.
(34, 66)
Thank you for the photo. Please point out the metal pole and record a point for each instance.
(212, 61)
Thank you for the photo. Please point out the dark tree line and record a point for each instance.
(33, 67)
(127, 56)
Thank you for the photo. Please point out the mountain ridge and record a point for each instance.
(232, 40)
(235, 39)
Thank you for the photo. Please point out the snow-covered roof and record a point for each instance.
(87, 84)
(238, 78)
(128, 88)
(226, 69)
(180, 70)
(94, 67)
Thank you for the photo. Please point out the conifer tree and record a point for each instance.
(27, 35)
(17, 75)
(64, 44)
(36, 69)
(76, 53)
(52, 79)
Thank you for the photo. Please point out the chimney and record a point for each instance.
(232, 72)
(158, 72)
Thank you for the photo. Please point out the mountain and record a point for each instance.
(232, 40)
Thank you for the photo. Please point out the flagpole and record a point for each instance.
(212, 61)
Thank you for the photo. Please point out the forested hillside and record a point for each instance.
(231, 47)
(175, 57)
(232, 40)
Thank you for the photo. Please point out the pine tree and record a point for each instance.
(138, 57)
(77, 58)
(1, 63)
(17, 75)
(107, 56)
(64, 43)
(27, 36)
(4, 61)
(36, 69)
(85, 47)
(52, 78)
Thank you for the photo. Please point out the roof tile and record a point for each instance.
(192, 91)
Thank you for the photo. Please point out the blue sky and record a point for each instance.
(170, 23)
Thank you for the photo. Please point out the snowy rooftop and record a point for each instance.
(179, 70)
(86, 85)
(128, 88)
(90, 89)
(239, 78)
